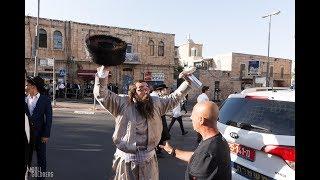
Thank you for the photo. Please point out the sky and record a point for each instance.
(221, 26)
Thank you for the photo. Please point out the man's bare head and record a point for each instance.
(205, 114)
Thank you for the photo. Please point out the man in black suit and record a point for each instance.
(162, 91)
(39, 111)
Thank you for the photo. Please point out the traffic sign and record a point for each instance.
(62, 72)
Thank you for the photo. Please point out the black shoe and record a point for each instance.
(184, 133)
(160, 155)
(158, 151)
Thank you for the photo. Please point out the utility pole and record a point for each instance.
(54, 83)
(37, 43)
(268, 61)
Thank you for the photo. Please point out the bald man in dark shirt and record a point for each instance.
(211, 159)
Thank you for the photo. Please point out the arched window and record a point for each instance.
(151, 47)
(42, 38)
(193, 51)
(129, 48)
(57, 40)
(161, 49)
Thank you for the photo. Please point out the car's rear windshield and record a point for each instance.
(276, 116)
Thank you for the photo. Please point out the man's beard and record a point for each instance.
(144, 106)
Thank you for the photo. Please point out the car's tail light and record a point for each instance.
(287, 153)
(257, 97)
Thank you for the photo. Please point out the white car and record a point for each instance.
(259, 126)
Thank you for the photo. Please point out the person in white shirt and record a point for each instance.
(155, 91)
(61, 89)
(176, 115)
(39, 112)
(201, 98)
(204, 95)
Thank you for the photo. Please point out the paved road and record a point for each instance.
(81, 148)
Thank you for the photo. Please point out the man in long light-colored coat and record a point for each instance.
(138, 125)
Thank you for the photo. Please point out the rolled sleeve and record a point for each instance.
(107, 99)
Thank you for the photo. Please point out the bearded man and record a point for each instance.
(138, 125)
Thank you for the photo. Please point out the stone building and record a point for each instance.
(150, 55)
(248, 70)
(190, 54)
(232, 72)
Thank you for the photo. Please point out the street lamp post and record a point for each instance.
(37, 42)
(54, 82)
(268, 62)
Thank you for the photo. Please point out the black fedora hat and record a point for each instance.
(161, 86)
(106, 50)
(37, 81)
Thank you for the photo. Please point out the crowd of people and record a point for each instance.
(141, 131)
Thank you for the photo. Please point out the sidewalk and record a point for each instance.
(74, 105)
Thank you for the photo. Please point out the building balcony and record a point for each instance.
(132, 58)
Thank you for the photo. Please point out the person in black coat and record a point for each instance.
(162, 91)
(39, 111)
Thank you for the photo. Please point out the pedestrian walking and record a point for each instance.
(176, 116)
(184, 104)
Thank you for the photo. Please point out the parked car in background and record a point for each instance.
(259, 125)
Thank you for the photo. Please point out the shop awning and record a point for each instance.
(87, 73)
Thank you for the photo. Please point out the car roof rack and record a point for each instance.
(248, 90)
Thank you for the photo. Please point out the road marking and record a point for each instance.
(83, 112)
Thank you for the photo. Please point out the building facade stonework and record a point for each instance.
(233, 72)
(190, 54)
(241, 73)
(148, 53)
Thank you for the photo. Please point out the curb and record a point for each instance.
(77, 109)
(84, 112)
